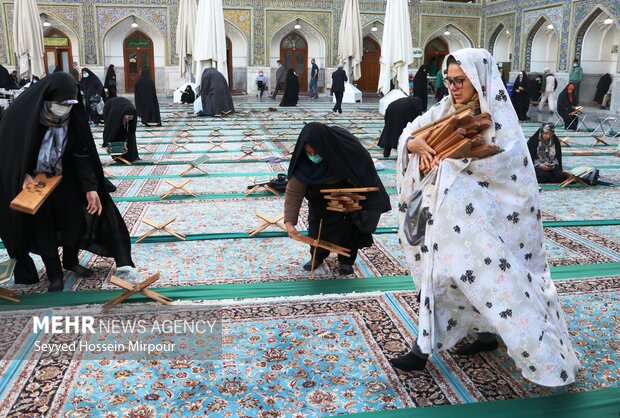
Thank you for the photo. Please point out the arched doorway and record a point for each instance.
(57, 51)
(294, 54)
(436, 49)
(138, 54)
(229, 62)
(371, 66)
(542, 47)
(597, 43)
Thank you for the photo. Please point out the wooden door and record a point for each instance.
(57, 51)
(294, 54)
(138, 54)
(371, 66)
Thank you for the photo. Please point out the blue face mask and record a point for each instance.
(575, 64)
(85, 75)
(315, 158)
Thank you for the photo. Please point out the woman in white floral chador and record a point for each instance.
(481, 267)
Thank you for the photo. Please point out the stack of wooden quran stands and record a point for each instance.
(458, 136)
(133, 288)
(346, 200)
(267, 222)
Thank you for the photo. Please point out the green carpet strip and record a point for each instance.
(600, 403)
(274, 289)
(172, 176)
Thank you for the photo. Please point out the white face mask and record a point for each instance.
(60, 110)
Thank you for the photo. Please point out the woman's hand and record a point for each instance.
(417, 145)
(291, 230)
(28, 180)
(94, 204)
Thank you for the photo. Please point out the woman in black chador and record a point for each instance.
(91, 87)
(121, 121)
(188, 96)
(520, 96)
(291, 90)
(397, 115)
(214, 93)
(546, 153)
(145, 95)
(420, 86)
(327, 157)
(46, 131)
(110, 82)
(602, 87)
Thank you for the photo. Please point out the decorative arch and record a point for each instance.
(67, 30)
(240, 44)
(586, 24)
(375, 36)
(542, 20)
(457, 39)
(498, 30)
(317, 41)
(499, 39)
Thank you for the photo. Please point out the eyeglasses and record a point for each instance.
(457, 82)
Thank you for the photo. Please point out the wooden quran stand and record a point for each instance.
(600, 140)
(564, 141)
(275, 221)
(160, 227)
(247, 151)
(195, 165)
(133, 288)
(30, 199)
(346, 200)
(216, 143)
(571, 178)
(181, 143)
(176, 187)
(6, 271)
(261, 185)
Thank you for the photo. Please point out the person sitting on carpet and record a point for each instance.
(481, 266)
(188, 96)
(546, 153)
(331, 157)
(121, 121)
(215, 94)
(397, 115)
(291, 90)
(46, 131)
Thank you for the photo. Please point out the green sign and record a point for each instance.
(56, 41)
(138, 43)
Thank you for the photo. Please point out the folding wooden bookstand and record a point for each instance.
(133, 288)
(247, 151)
(573, 179)
(257, 142)
(600, 140)
(216, 143)
(181, 143)
(6, 271)
(275, 221)
(117, 150)
(323, 244)
(30, 199)
(176, 187)
(107, 173)
(184, 133)
(346, 200)
(260, 184)
(142, 147)
(160, 227)
(564, 141)
(227, 112)
(249, 134)
(195, 165)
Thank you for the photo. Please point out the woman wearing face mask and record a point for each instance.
(46, 131)
(567, 101)
(479, 268)
(91, 87)
(261, 83)
(328, 157)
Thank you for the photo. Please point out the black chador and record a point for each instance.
(291, 90)
(40, 133)
(214, 93)
(93, 92)
(121, 121)
(341, 161)
(397, 115)
(147, 104)
(110, 81)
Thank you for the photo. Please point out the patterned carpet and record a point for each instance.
(322, 353)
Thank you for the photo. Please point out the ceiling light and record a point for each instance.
(374, 27)
(550, 26)
(134, 24)
(447, 32)
(507, 32)
(46, 23)
(608, 21)
(297, 25)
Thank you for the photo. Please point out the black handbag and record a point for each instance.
(591, 177)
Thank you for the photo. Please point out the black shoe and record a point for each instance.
(477, 347)
(308, 265)
(56, 285)
(340, 111)
(81, 271)
(409, 362)
(345, 269)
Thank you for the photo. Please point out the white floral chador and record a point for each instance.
(482, 265)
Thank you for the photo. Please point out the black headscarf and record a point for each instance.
(91, 85)
(420, 86)
(145, 95)
(343, 157)
(188, 95)
(110, 81)
(214, 93)
(115, 130)
(105, 235)
(397, 115)
(534, 141)
(523, 82)
(291, 90)
(5, 79)
(602, 87)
